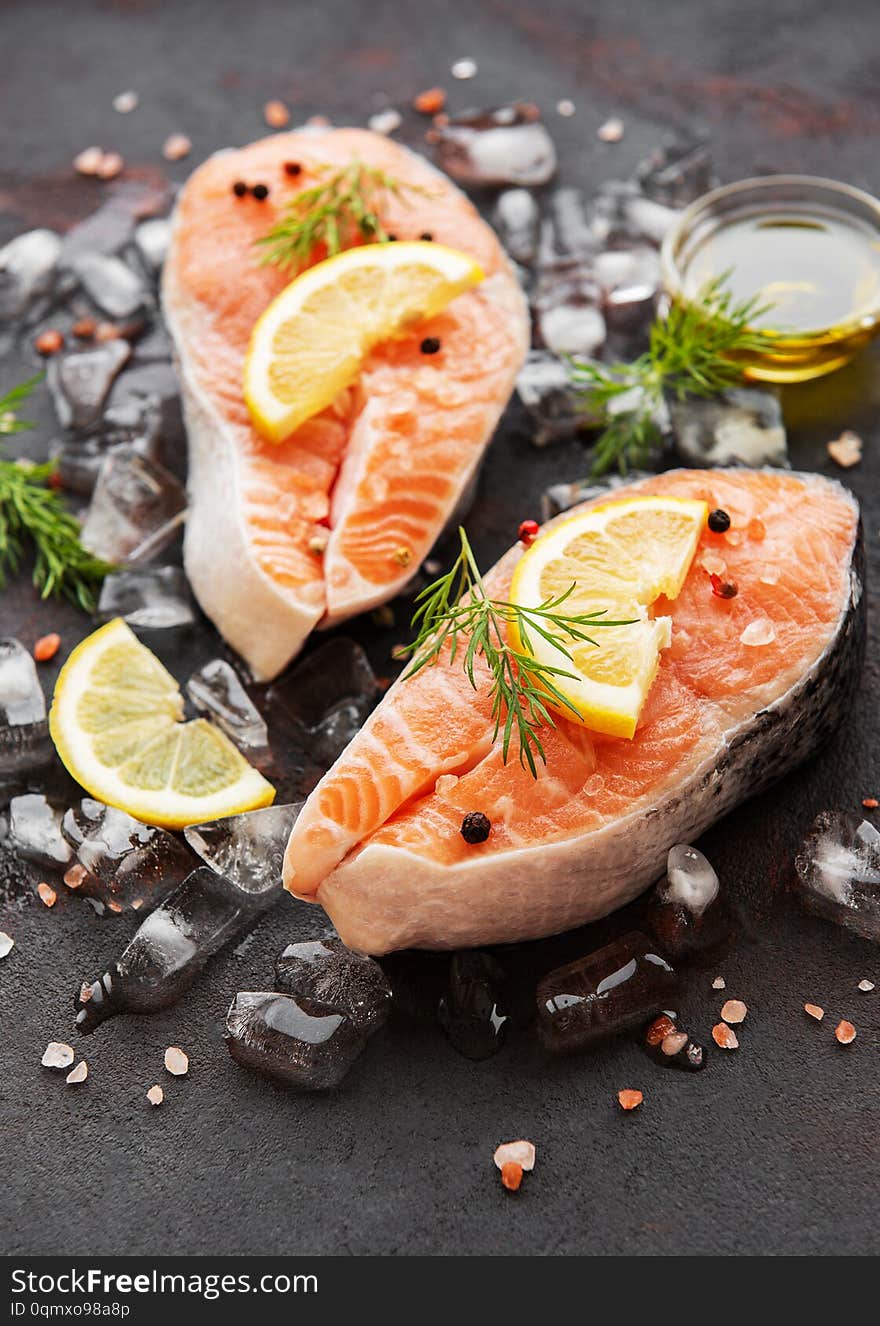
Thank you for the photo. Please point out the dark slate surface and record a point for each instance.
(772, 1150)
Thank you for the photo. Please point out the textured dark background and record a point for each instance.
(773, 1149)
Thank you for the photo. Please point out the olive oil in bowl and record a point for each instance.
(808, 248)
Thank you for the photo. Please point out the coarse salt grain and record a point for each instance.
(464, 69)
(74, 875)
(845, 1032)
(711, 562)
(445, 783)
(518, 1153)
(57, 1054)
(385, 122)
(47, 647)
(276, 114)
(734, 1010)
(7, 944)
(429, 102)
(724, 1037)
(674, 1042)
(659, 1029)
(719, 983)
(846, 450)
(110, 166)
(759, 632)
(155, 1095)
(611, 131)
(769, 578)
(88, 161)
(511, 1175)
(864, 986)
(176, 147)
(814, 1011)
(78, 1074)
(565, 108)
(176, 1061)
(47, 895)
(870, 803)
(629, 1099)
(125, 102)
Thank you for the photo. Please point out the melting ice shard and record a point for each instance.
(687, 911)
(171, 947)
(34, 831)
(154, 598)
(507, 145)
(216, 691)
(24, 733)
(136, 508)
(79, 383)
(325, 699)
(325, 972)
(472, 1008)
(301, 1044)
(128, 864)
(27, 269)
(742, 426)
(246, 849)
(838, 870)
(617, 987)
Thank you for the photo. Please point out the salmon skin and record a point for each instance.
(385, 466)
(378, 842)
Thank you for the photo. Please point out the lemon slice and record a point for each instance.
(620, 557)
(312, 339)
(117, 723)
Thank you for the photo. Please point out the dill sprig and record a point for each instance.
(343, 209)
(31, 510)
(691, 353)
(457, 612)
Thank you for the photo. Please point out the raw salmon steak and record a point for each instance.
(385, 466)
(748, 688)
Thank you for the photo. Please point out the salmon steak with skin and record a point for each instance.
(333, 520)
(379, 845)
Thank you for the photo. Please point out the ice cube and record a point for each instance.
(302, 1044)
(34, 831)
(154, 598)
(24, 732)
(838, 872)
(156, 381)
(472, 1009)
(517, 220)
(172, 945)
(151, 240)
(136, 509)
(216, 691)
(569, 232)
(136, 420)
(325, 972)
(80, 382)
(246, 849)
(743, 426)
(687, 912)
(128, 864)
(326, 698)
(506, 145)
(676, 173)
(566, 303)
(563, 496)
(112, 285)
(545, 387)
(608, 991)
(622, 217)
(27, 270)
(630, 284)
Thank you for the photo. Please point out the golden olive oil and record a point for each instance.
(819, 272)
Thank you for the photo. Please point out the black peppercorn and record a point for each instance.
(426, 234)
(239, 188)
(475, 827)
(719, 521)
(430, 345)
(260, 192)
(292, 168)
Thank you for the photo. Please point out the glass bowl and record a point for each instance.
(808, 246)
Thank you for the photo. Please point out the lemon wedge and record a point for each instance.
(117, 724)
(620, 557)
(312, 339)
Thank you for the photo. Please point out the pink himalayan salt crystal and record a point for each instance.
(465, 68)
(734, 1011)
(445, 783)
(846, 450)
(385, 121)
(75, 875)
(515, 1153)
(176, 1061)
(733, 537)
(769, 578)
(155, 1095)
(57, 1055)
(78, 1074)
(47, 894)
(866, 986)
(88, 162)
(565, 108)
(611, 131)
(176, 147)
(712, 563)
(7, 943)
(719, 983)
(125, 102)
(759, 632)
(111, 165)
